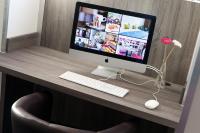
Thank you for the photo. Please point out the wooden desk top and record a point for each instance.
(43, 66)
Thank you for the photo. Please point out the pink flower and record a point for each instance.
(166, 40)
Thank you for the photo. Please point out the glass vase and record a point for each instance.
(161, 78)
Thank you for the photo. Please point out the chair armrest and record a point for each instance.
(63, 129)
(126, 127)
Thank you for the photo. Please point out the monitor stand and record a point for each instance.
(106, 72)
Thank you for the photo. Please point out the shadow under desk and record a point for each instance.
(42, 66)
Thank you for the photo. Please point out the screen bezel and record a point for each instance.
(108, 9)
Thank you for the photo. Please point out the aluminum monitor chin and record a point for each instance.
(112, 37)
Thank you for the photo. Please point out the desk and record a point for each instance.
(42, 66)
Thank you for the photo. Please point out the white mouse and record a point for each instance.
(152, 104)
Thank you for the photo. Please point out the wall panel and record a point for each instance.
(175, 18)
(186, 30)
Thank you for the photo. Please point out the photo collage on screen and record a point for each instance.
(112, 32)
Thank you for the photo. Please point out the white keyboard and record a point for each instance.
(94, 84)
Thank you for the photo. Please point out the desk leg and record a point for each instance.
(2, 98)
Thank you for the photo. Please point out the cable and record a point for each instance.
(157, 86)
(154, 94)
(153, 68)
(120, 76)
(158, 72)
(139, 84)
(149, 66)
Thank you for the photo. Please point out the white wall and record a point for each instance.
(1, 19)
(23, 17)
(193, 122)
(192, 66)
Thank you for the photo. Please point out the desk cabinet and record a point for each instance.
(71, 111)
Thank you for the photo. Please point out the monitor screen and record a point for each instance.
(112, 32)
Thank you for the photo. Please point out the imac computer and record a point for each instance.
(112, 38)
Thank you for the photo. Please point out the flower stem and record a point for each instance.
(165, 61)
(165, 53)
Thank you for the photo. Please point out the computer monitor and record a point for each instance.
(111, 38)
